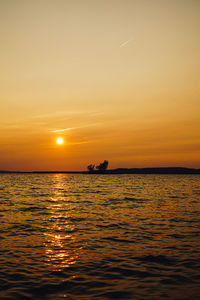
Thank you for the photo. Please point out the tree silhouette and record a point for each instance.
(91, 168)
(103, 166)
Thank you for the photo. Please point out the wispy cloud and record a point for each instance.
(79, 143)
(55, 114)
(68, 113)
(72, 128)
(124, 44)
(61, 130)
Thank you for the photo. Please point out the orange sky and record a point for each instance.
(118, 80)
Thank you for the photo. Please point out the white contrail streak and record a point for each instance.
(61, 130)
(126, 42)
(71, 128)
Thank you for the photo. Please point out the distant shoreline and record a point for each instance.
(161, 170)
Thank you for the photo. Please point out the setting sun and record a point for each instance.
(59, 141)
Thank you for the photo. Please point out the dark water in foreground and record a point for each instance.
(99, 237)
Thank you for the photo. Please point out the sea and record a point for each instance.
(98, 236)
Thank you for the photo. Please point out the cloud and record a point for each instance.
(72, 128)
(56, 114)
(61, 130)
(79, 143)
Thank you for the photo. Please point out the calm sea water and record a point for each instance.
(98, 237)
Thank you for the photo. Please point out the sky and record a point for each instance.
(117, 80)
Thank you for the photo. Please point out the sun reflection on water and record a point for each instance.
(60, 242)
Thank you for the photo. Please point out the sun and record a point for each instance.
(59, 141)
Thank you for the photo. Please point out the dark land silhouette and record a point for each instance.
(156, 170)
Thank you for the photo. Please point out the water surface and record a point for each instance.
(96, 237)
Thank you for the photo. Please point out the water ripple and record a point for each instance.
(99, 237)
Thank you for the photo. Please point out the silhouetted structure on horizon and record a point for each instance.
(91, 168)
(101, 168)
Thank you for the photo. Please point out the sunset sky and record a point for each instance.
(116, 79)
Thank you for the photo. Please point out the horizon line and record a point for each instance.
(120, 170)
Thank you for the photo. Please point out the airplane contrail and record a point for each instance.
(126, 42)
(61, 130)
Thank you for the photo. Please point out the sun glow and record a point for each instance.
(59, 141)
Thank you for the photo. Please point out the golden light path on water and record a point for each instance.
(59, 235)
